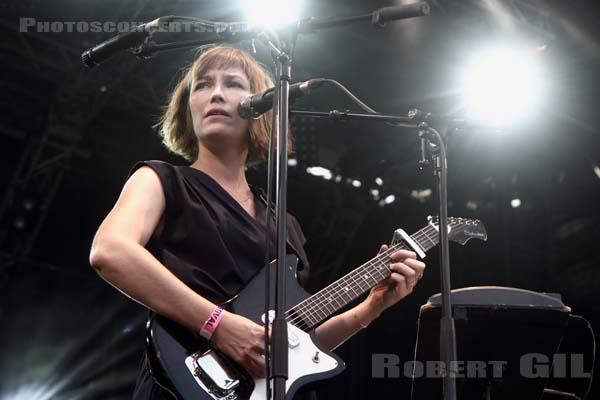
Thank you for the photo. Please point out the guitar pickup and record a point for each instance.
(293, 340)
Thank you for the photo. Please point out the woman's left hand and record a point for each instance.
(406, 273)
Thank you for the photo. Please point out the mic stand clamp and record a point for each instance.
(144, 51)
(427, 146)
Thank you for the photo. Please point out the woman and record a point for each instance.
(181, 240)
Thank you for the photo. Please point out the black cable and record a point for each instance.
(559, 393)
(199, 21)
(359, 102)
(589, 326)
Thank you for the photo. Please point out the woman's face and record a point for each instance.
(213, 102)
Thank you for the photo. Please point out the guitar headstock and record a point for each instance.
(461, 230)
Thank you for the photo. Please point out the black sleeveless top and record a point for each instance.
(210, 242)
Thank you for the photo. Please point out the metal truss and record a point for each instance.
(49, 149)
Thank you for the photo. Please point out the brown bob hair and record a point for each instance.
(175, 125)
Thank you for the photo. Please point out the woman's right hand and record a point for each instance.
(243, 341)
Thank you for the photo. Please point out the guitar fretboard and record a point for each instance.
(320, 306)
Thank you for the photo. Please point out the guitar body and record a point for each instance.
(171, 348)
(188, 368)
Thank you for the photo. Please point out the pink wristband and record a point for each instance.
(211, 323)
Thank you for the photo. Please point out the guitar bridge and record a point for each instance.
(212, 375)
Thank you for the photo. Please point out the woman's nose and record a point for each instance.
(217, 94)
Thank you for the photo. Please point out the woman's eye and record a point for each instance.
(201, 85)
(236, 84)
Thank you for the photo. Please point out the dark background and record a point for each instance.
(69, 136)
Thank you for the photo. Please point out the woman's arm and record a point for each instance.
(406, 271)
(119, 256)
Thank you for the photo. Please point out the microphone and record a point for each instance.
(107, 49)
(255, 106)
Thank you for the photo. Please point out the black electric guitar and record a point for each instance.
(189, 369)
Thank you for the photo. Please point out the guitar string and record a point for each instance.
(318, 308)
(359, 281)
(316, 305)
(350, 280)
(314, 302)
(313, 305)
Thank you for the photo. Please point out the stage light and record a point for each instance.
(292, 162)
(501, 86)
(28, 393)
(20, 222)
(320, 171)
(271, 13)
(356, 183)
(472, 205)
(421, 195)
(28, 204)
(597, 171)
(379, 181)
(515, 203)
(388, 200)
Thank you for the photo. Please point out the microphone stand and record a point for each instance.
(432, 144)
(279, 332)
(433, 141)
(279, 338)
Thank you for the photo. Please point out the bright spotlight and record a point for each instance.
(472, 205)
(271, 13)
(515, 203)
(30, 392)
(320, 171)
(387, 200)
(421, 195)
(501, 86)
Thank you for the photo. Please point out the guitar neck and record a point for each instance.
(326, 302)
